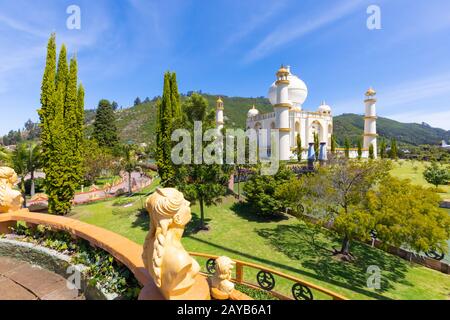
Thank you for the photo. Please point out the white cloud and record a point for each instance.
(299, 27)
(411, 101)
(254, 22)
(417, 91)
(439, 119)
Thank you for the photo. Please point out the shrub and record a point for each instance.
(260, 192)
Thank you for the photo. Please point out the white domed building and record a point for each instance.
(287, 95)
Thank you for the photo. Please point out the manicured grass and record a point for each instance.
(413, 170)
(287, 245)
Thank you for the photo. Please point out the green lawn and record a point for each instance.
(287, 245)
(413, 170)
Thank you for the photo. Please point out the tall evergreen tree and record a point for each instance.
(333, 144)
(80, 113)
(73, 130)
(359, 149)
(299, 148)
(383, 149)
(347, 148)
(105, 129)
(61, 157)
(175, 96)
(371, 152)
(394, 151)
(47, 110)
(165, 118)
(316, 145)
(51, 119)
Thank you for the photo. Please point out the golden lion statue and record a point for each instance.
(171, 267)
(10, 200)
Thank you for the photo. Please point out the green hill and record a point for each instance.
(137, 123)
(352, 126)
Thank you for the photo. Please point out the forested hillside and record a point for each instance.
(137, 124)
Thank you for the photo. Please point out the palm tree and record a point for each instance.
(129, 162)
(19, 161)
(25, 160)
(5, 157)
(34, 163)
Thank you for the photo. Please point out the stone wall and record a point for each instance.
(53, 261)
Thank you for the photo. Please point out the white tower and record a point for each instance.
(219, 114)
(281, 108)
(370, 122)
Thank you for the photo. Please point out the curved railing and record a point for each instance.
(130, 254)
(265, 279)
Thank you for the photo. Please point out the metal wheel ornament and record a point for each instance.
(265, 280)
(301, 292)
(211, 266)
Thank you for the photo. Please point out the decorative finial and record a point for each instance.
(370, 92)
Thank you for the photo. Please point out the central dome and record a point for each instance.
(298, 92)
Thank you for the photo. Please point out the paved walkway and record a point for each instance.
(138, 182)
(22, 281)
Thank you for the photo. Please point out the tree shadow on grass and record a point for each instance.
(246, 212)
(302, 243)
(142, 220)
(194, 226)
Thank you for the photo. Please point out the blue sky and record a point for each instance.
(234, 48)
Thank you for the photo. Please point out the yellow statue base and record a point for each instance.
(199, 291)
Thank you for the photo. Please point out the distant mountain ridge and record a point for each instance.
(352, 126)
(137, 124)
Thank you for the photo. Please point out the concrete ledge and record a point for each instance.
(124, 250)
(54, 261)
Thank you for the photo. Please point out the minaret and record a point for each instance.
(281, 109)
(219, 114)
(370, 122)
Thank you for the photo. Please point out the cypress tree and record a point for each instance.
(333, 144)
(80, 133)
(347, 148)
(163, 133)
(73, 129)
(359, 149)
(383, 149)
(61, 156)
(58, 181)
(47, 110)
(371, 152)
(105, 129)
(80, 115)
(175, 97)
(316, 145)
(299, 148)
